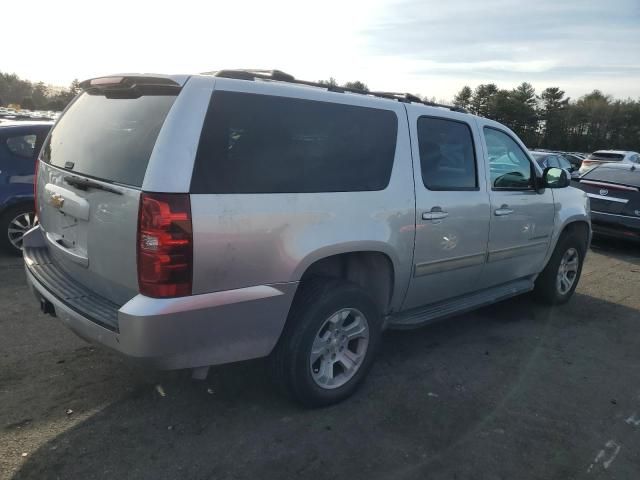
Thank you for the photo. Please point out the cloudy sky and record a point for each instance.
(431, 47)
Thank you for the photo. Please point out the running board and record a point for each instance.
(417, 317)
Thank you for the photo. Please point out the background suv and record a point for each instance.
(20, 143)
(608, 156)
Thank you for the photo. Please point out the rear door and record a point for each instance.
(452, 207)
(522, 219)
(91, 170)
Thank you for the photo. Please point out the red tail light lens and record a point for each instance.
(165, 245)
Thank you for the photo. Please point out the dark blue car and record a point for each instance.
(20, 143)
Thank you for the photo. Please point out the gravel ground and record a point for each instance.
(512, 391)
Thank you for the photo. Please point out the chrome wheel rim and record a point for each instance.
(568, 271)
(339, 348)
(20, 225)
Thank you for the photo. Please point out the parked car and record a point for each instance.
(614, 191)
(197, 220)
(546, 159)
(19, 146)
(607, 156)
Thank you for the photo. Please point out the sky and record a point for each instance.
(429, 47)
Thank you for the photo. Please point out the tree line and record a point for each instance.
(34, 95)
(551, 120)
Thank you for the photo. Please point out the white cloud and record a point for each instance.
(427, 47)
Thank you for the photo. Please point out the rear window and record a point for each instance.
(22, 145)
(624, 176)
(605, 156)
(267, 144)
(108, 138)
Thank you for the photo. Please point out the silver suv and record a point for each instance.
(189, 221)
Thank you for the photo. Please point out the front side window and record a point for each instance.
(447, 154)
(268, 144)
(509, 165)
(22, 145)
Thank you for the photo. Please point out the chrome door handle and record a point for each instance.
(436, 213)
(503, 210)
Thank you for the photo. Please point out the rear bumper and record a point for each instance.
(613, 225)
(184, 332)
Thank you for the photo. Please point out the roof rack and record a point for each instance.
(280, 76)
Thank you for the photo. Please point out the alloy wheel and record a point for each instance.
(339, 348)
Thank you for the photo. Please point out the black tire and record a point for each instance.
(5, 221)
(546, 290)
(315, 302)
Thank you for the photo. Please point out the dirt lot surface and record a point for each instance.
(513, 391)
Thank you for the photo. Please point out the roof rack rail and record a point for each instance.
(280, 76)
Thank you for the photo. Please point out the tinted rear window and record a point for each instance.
(605, 156)
(447, 154)
(624, 176)
(266, 144)
(108, 138)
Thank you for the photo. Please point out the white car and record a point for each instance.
(606, 156)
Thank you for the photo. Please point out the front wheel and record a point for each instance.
(329, 343)
(557, 282)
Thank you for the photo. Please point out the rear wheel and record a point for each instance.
(557, 282)
(329, 343)
(14, 223)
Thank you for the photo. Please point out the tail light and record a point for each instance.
(165, 245)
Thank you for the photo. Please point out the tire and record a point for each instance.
(548, 288)
(13, 218)
(317, 313)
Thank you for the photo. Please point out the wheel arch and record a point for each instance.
(373, 269)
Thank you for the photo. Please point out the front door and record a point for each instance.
(522, 218)
(452, 207)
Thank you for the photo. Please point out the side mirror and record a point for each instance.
(555, 178)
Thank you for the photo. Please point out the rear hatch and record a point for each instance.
(89, 177)
(598, 158)
(613, 189)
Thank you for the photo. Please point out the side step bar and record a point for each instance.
(420, 316)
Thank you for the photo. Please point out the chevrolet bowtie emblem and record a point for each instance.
(56, 200)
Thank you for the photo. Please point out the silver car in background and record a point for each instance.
(607, 156)
(188, 221)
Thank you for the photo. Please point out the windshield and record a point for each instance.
(108, 138)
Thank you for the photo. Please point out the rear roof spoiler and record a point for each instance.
(133, 85)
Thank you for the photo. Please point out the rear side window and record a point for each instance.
(447, 154)
(22, 145)
(624, 176)
(267, 144)
(108, 138)
(612, 157)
